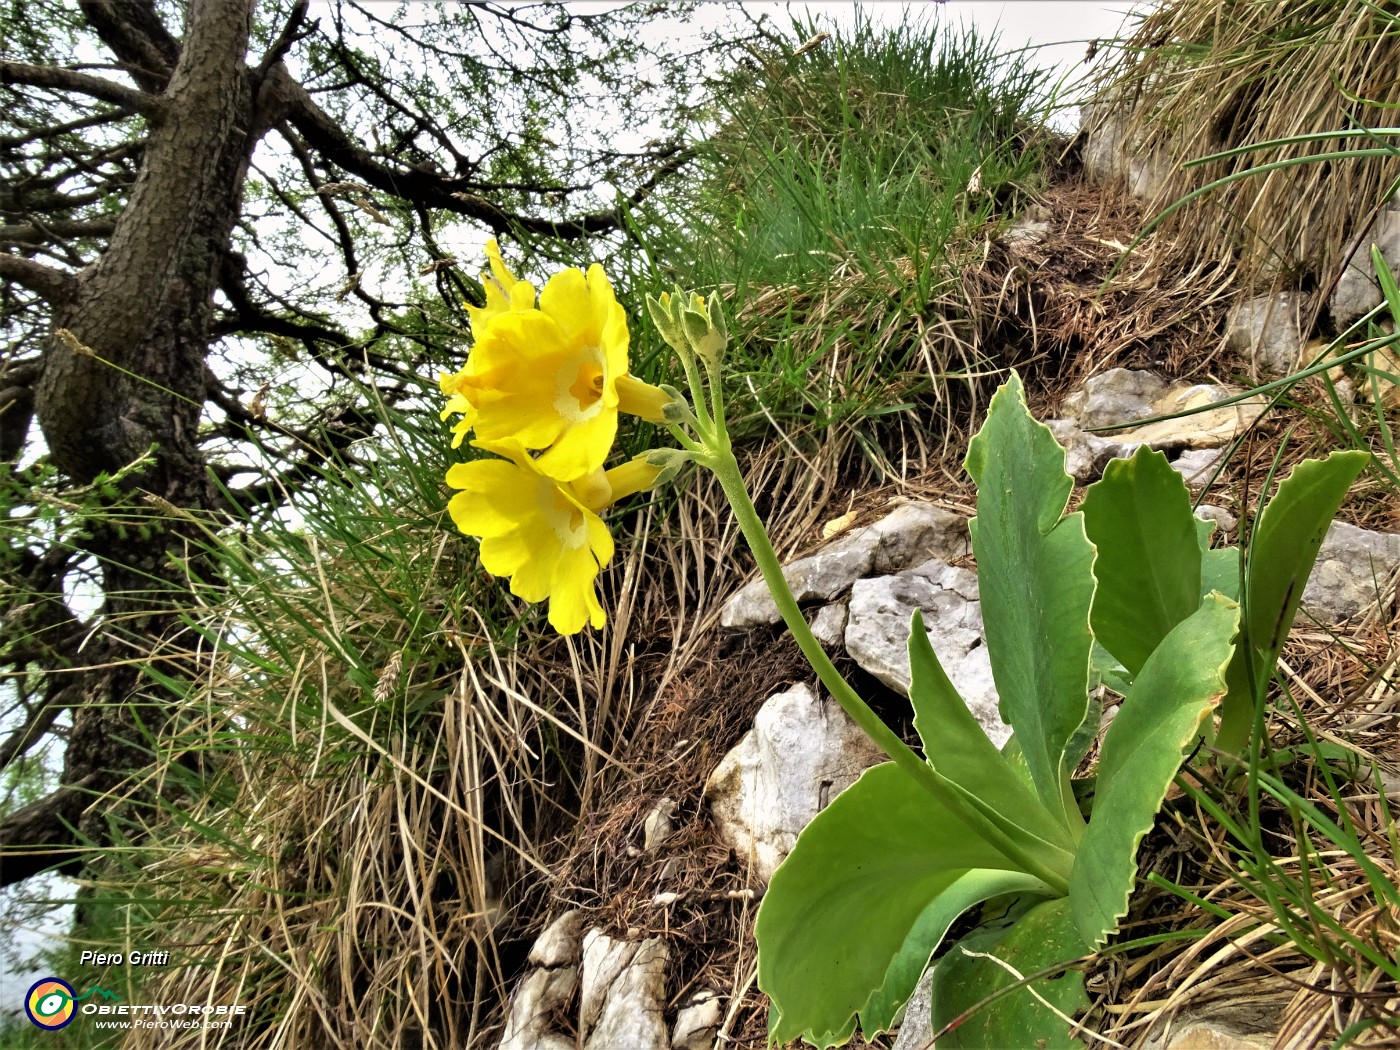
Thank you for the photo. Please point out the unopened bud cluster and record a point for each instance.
(691, 325)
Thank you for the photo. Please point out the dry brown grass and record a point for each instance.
(1200, 78)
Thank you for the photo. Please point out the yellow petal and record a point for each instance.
(504, 292)
(573, 601)
(581, 449)
(568, 299)
(497, 495)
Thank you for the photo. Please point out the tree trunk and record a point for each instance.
(131, 380)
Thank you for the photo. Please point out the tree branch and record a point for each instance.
(56, 79)
(43, 834)
(134, 31)
(330, 138)
(38, 722)
(36, 232)
(54, 286)
(291, 33)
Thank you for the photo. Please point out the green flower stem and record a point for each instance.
(1031, 859)
(697, 394)
(717, 398)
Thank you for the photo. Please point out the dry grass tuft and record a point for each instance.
(1197, 79)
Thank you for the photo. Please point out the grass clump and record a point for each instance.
(850, 181)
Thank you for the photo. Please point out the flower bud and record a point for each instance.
(678, 410)
(667, 323)
(670, 460)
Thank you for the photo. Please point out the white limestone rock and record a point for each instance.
(1104, 129)
(623, 998)
(829, 625)
(1353, 567)
(1121, 396)
(657, 826)
(1271, 331)
(536, 999)
(1025, 233)
(916, 1030)
(909, 534)
(802, 752)
(877, 634)
(1358, 291)
(1148, 174)
(697, 1021)
(1197, 465)
(558, 945)
(1225, 522)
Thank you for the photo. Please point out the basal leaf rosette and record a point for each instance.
(554, 376)
(544, 534)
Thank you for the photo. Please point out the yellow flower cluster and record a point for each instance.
(547, 376)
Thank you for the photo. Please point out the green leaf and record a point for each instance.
(960, 751)
(1286, 540)
(1178, 687)
(843, 904)
(1035, 574)
(1042, 937)
(1138, 516)
(927, 934)
(1282, 551)
(1220, 566)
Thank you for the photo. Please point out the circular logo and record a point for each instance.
(49, 1003)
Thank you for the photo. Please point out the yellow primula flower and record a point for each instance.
(544, 534)
(552, 377)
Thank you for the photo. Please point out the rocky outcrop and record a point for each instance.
(1270, 331)
(877, 634)
(1354, 568)
(1358, 291)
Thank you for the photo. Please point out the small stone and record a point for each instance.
(802, 752)
(1024, 233)
(877, 634)
(1358, 291)
(1270, 331)
(1197, 465)
(1121, 396)
(1354, 567)
(1148, 174)
(656, 829)
(697, 1021)
(1104, 127)
(1209, 429)
(829, 625)
(915, 532)
(536, 999)
(1118, 396)
(622, 999)
(1216, 1036)
(558, 945)
(838, 525)
(1225, 521)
